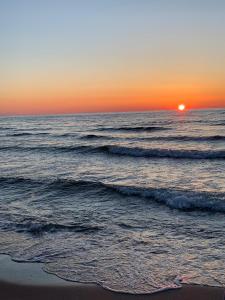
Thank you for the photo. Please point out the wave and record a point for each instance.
(44, 148)
(19, 134)
(161, 153)
(180, 199)
(67, 134)
(95, 136)
(27, 134)
(40, 228)
(5, 128)
(106, 137)
(219, 124)
(181, 138)
(128, 151)
(174, 198)
(135, 128)
(186, 138)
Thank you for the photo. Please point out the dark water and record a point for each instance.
(130, 201)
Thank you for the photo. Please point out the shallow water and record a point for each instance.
(129, 201)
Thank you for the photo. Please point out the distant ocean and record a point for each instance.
(132, 201)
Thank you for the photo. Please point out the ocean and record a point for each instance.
(134, 202)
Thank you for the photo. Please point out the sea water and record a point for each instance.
(132, 201)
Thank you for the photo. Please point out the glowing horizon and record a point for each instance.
(89, 56)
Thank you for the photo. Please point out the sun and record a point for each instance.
(181, 107)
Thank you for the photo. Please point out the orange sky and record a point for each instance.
(117, 57)
(63, 95)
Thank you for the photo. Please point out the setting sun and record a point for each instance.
(181, 107)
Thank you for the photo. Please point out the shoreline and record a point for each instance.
(25, 280)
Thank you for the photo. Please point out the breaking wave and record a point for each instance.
(173, 198)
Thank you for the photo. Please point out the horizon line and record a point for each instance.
(106, 112)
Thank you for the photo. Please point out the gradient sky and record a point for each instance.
(110, 55)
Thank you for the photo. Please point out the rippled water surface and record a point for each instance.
(130, 201)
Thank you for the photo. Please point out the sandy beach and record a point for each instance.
(13, 291)
(23, 281)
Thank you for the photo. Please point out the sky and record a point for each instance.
(72, 56)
